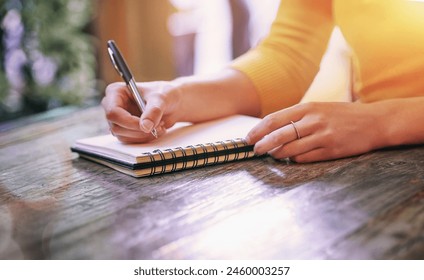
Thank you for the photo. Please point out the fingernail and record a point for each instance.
(147, 125)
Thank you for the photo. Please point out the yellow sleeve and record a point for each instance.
(284, 64)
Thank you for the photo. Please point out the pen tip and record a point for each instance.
(154, 133)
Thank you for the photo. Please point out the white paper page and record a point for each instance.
(181, 135)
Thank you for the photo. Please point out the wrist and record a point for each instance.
(175, 98)
(392, 122)
(374, 124)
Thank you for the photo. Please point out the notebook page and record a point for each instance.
(181, 135)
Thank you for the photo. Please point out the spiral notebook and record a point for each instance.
(184, 146)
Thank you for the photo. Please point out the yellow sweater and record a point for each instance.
(386, 36)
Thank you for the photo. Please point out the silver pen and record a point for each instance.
(118, 62)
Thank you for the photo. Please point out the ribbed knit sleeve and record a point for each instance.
(284, 64)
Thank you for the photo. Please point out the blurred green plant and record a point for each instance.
(47, 57)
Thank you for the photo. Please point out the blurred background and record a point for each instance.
(53, 52)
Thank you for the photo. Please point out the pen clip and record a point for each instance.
(118, 61)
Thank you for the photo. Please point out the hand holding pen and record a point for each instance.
(121, 67)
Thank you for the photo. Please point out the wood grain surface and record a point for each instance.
(54, 205)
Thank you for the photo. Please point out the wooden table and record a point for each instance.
(54, 205)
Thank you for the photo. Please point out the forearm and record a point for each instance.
(226, 93)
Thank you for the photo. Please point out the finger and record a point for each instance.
(152, 116)
(273, 122)
(119, 107)
(123, 118)
(296, 147)
(283, 136)
(319, 154)
(131, 136)
(120, 131)
(115, 88)
(129, 140)
(274, 139)
(113, 94)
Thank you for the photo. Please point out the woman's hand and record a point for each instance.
(324, 131)
(123, 114)
(188, 99)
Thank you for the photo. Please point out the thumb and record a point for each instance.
(150, 118)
